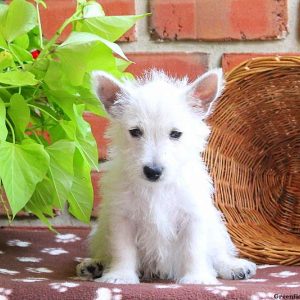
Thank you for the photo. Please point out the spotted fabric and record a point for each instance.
(38, 264)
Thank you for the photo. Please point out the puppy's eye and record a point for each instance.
(136, 132)
(175, 135)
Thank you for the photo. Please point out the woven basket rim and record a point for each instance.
(258, 65)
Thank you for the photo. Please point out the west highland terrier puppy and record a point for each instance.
(157, 216)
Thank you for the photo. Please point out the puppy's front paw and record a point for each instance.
(237, 269)
(89, 269)
(198, 279)
(119, 277)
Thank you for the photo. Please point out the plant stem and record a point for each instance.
(44, 111)
(12, 130)
(9, 87)
(37, 137)
(32, 128)
(40, 26)
(4, 205)
(58, 33)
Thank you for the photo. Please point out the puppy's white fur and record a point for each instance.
(169, 227)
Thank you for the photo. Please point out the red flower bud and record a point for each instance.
(35, 53)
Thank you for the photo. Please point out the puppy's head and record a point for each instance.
(157, 122)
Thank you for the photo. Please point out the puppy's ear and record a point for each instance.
(207, 88)
(106, 88)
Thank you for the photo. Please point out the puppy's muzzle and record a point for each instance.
(153, 173)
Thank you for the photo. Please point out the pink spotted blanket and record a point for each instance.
(37, 264)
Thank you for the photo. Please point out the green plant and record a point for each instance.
(47, 149)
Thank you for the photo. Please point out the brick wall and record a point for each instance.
(187, 37)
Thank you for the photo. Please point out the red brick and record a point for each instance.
(97, 194)
(177, 64)
(98, 126)
(59, 10)
(174, 19)
(218, 20)
(231, 60)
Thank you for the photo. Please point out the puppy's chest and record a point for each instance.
(158, 219)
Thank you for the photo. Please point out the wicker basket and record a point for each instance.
(254, 158)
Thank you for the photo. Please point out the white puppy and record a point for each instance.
(157, 217)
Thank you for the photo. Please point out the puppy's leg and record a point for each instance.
(224, 255)
(89, 269)
(123, 266)
(235, 268)
(196, 267)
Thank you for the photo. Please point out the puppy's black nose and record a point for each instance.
(152, 173)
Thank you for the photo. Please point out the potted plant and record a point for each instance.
(47, 150)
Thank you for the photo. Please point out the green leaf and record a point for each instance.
(21, 18)
(41, 202)
(43, 197)
(39, 68)
(3, 43)
(69, 127)
(22, 167)
(83, 95)
(19, 112)
(5, 95)
(3, 129)
(92, 103)
(81, 38)
(57, 133)
(20, 53)
(122, 64)
(38, 210)
(110, 28)
(85, 137)
(61, 168)
(33, 208)
(6, 60)
(83, 126)
(94, 53)
(88, 147)
(34, 38)
(63, 99)
(3, 15)
(22, 41)
(18, 78)
(3, 12)
(47, 110)
(81, 196)
(56, 78)
(79, 131)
